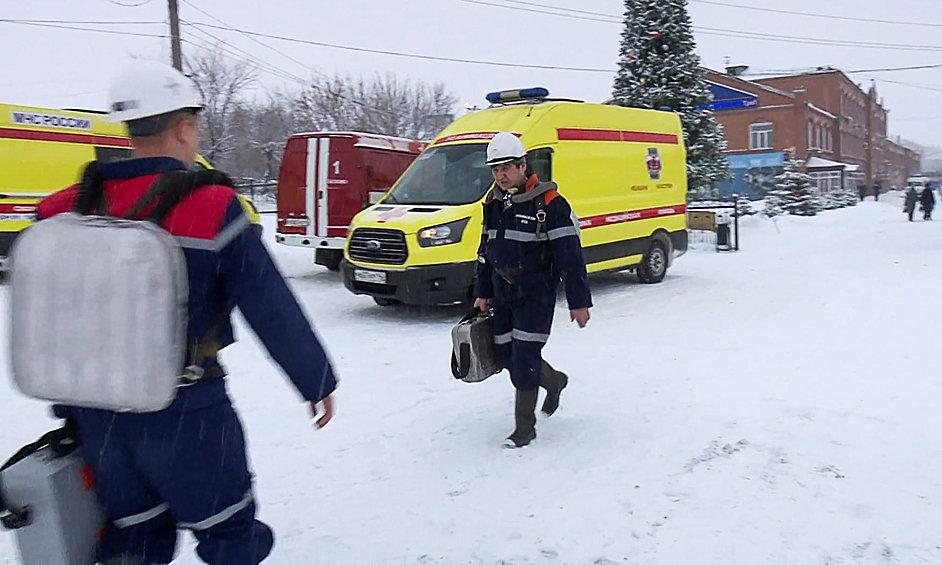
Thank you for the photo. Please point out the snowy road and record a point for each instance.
(779, 405)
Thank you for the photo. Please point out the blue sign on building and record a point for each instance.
(753, 174)
(728, 98)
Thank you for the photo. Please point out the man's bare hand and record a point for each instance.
(482, 304)
(324, 409)
(580, 316)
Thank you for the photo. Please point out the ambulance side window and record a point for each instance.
(107, 154)
(540, 163)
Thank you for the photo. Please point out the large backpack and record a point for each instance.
(99, 303)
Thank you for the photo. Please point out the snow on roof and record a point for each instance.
(372, 140)
(772, 89)
(820, 163)
(746, 80)
(823, 111)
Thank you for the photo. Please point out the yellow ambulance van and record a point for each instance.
(44, 150)
(623, 170)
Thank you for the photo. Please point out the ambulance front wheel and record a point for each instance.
(654, 265)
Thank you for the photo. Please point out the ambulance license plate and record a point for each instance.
(375, 277)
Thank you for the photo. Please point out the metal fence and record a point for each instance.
(714, 223)
(262, 193)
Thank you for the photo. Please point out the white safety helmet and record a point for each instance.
(147, 89)
(504, 148)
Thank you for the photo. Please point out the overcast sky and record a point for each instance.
(70, 68)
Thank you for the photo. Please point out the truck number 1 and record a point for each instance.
(336, 167)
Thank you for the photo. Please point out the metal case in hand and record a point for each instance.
(62, 518)
(473, 358)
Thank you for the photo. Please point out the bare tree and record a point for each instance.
(383, 104)
(245, 136)
(260, 129)
(222, 85)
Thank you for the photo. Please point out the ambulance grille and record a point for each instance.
(385, 247)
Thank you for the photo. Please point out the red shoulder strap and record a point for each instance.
(550, 196)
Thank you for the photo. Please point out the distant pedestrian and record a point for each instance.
(877, 188)
(928, 203)
(862, 191)
(912, 197)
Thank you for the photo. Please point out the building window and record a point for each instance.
(826, 182)
(760, 136)
(810, 135)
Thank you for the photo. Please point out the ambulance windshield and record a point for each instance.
(452, 174)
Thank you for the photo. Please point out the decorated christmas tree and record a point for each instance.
(658, 69)
(794, 189)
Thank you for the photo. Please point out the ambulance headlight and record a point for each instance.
(443, 234)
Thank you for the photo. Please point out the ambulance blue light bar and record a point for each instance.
(516, 95)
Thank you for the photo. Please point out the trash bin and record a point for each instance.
(723, 240)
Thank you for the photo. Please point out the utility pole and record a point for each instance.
(175, 36)
(870, 172)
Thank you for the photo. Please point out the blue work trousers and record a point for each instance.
(521, 329)
(184, 467)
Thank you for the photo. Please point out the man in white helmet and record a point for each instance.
(185, 467)
(530, 242)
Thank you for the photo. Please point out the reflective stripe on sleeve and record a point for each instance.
(563, 232)
(222, 239)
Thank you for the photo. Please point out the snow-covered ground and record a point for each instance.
(778, 405)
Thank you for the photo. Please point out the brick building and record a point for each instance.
(839, 129)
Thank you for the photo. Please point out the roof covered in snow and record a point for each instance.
(821, 163)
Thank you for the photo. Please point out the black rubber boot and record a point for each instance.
(525, 416)
(554, 382)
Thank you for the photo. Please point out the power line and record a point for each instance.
(109, 31)
(909, 84)
(271, 69)
(813, 15)
(741, 34)
(408, 55)
(131, 4)
(286, 56)
(790, 72)
(246, 56)
(285, 75)
(84, 22)
(739, 6)
(565, 15)
(890, 69)
(816, 40)
(522, 2)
